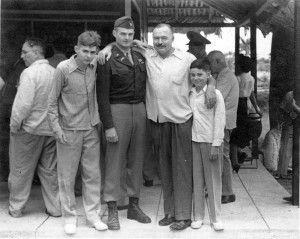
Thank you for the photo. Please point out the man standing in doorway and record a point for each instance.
(121, 86)
(227, 84)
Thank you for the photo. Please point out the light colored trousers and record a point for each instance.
(227, 169)
(82, 148)
(28, 152)
(124, 159)
(207, 174)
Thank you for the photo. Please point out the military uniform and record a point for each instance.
(121, 87)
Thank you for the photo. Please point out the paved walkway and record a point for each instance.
(259, 212)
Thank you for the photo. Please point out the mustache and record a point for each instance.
(159, 45)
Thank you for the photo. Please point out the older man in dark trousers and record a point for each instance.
(121, 86)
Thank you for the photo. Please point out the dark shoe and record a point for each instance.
(236, 168)
(180, 225)
(166, 221)
(228, 199)
(78, 193)
(113, 218)
(148, 183)
(288, 199)
(135, 213)
(242, 157)
(51, 215)
(123, 207)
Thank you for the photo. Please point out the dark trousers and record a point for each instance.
(174, 143)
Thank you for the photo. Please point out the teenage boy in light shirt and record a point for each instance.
(73, 116)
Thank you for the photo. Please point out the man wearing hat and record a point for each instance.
(197, 44)
(121, 86)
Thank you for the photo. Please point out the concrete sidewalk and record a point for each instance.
(259, 212)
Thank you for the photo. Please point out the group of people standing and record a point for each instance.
(56, 117)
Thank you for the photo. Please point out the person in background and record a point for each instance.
(59, 47)
(207, 138)
(240, 137)
(2, 83)
(289, 111)
(227, 84)
(197, 44)
(32, 145)
(73, 117)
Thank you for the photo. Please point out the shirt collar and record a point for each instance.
(223, 72)
(177, 53)
(73, 65)
(41, 61)
(193, 90)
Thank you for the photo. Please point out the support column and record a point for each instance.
(237, 45)
(254, 74)
(296, 123)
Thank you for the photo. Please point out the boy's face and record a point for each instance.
(85, 54)
(198, 77)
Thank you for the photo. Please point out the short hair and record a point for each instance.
(89, 38)
(161, 25)
(32, 42)
(244, 63)
(200, 64)
(217, 55)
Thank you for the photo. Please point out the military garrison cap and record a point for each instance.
(124, 22)
(196, 39)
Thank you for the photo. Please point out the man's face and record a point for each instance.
(197, 51)
(163, 40)
(214, 66)
(28, 54)
(85, 54)
(124, 37)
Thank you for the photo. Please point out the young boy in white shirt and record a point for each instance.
(207, 138)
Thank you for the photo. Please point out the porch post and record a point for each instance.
(296, 125)
(254, 74)
(237, 45)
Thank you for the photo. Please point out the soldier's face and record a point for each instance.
(124, 37)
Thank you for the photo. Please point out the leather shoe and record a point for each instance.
(180, 225)
(135, 213)
(288, 199)
(148, 183)
(228, 199)
(166, 221)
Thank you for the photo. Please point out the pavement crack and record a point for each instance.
(254, 202)
(35, 232)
